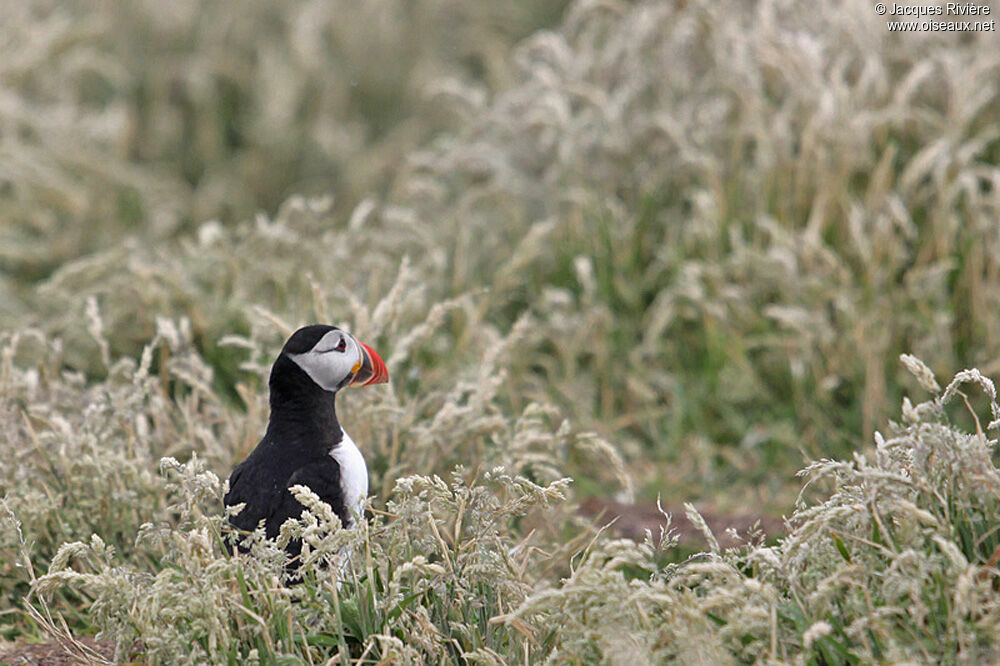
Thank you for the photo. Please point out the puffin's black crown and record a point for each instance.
(306, 338)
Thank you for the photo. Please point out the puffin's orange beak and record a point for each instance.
(371, 369)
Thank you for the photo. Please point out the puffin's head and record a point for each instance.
(333, 358)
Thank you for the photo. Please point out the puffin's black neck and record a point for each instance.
(303, 415)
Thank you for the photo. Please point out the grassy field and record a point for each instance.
(726, 254)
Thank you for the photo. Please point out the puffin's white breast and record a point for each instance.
(353, 474)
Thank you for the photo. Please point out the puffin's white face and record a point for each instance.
(333, 360)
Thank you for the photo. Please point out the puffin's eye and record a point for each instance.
(341, 346)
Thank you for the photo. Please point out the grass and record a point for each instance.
(663, 249)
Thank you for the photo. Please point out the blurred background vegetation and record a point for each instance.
(702, 232)
(669, 248)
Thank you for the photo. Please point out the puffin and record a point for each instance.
(304, 443)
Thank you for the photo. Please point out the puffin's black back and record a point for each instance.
(301, 432)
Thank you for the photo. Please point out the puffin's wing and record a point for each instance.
(249, 487)
(323, 478)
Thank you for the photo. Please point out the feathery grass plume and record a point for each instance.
(922, 373)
